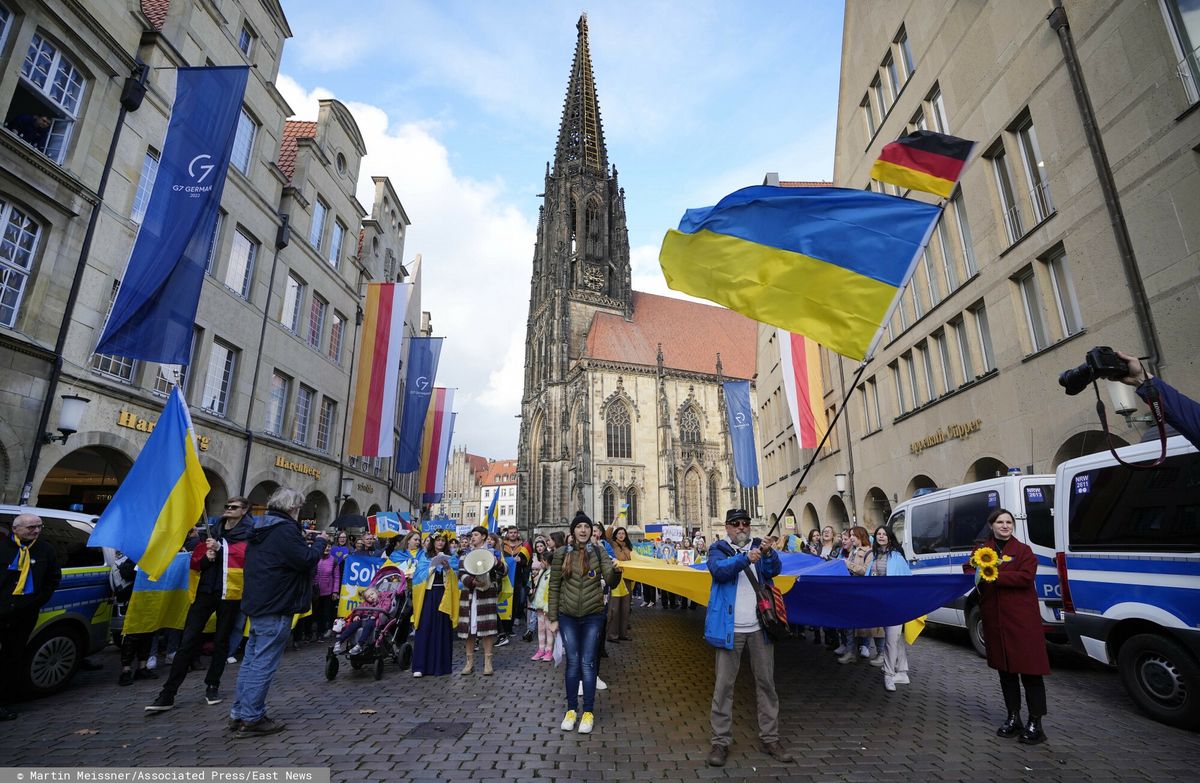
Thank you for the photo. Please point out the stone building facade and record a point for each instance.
(464, 474)
(1028, 267)
(622, 399)
(276, 326)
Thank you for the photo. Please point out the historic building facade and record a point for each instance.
(275, 331)
(1032, 262)
(464, 474)
(622, 400)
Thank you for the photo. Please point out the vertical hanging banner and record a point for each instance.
(154, 313)
(423, 355)
(435, 445)
(799, 362)
(741, 431)
(378, 376)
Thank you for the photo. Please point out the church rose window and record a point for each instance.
(618, 431)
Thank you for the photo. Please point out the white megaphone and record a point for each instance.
(479, 563)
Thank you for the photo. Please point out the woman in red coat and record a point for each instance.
(1012, 628)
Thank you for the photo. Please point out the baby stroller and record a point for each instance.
(387, 639)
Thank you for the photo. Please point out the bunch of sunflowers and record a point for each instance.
(987, 564)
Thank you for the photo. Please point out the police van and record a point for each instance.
(940, 528)
(75, 622)
(1129, 563)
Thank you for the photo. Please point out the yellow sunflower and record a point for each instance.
(988, 573)
(986, 557)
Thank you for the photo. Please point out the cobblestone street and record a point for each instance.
(652, 724)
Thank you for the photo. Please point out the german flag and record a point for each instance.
(923, 160)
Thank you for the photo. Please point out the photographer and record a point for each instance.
(1180, 411)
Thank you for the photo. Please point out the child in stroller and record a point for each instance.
(371, 629)
(360, 624)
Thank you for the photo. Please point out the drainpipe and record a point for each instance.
(132, 94)
(849, 445)
(1108, 186)
(283, 236)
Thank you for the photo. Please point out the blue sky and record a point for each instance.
(460, 105)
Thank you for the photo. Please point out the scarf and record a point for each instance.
(20, 564)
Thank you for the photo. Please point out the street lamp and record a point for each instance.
(347, 487)
(840, 480)
(68, 418)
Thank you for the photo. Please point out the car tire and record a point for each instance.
(1162, 678)
(975, 631)
(52, 658)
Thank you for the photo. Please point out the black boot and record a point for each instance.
(1011, 726)
(1032, 734)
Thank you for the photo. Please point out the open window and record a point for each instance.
(46, 100)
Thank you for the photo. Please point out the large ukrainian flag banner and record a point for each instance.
(828, 263)
(161, 498)
(161, 603)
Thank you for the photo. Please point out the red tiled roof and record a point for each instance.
(805, 184)
(293, 131)
(496, 469)
(691, 334)
(477, 464)
(156, 12)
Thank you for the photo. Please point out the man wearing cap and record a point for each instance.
(732, 625)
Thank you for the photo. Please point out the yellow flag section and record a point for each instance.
(162, 602)
(691, 583)
(449, 604)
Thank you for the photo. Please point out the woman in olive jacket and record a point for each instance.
(576, 609)
(1012, 628)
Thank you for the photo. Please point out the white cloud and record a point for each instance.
(476, 250)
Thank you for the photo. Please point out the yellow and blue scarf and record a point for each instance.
(20, 564)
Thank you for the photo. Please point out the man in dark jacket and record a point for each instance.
(1179, 410)
(30, 576)
(216, 578)
(279, 577)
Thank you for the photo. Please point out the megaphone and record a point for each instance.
(479, 563)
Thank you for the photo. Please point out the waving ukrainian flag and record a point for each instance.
(161, 498)
(827, 263)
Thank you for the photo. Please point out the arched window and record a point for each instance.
(631, 498)
(712, 494)
(617, 426)
(51, 87)
(610, 503)
(691, 498)
(544, 514)
(689, 427)
(17, 250)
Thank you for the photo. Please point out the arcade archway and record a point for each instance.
(985, 468)
(877, 509)
(919, 482)
(1083, 443)
(260, 495)
(84, 480)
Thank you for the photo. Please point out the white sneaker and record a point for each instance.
(231, 659)
(864, 651)
(568, 721)
(356, 649)
(152, 662)
(840, 650)
(170, 657)
(339, 648)
(600, 686)
(889, 684)
(417, 674)
(900, 678)
(585, 723)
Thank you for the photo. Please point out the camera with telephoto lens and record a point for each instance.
(1100, 363)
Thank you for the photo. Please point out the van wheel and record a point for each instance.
(1162, 678)
(975, 630)
(52, 659)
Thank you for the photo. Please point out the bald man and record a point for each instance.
(29, 576)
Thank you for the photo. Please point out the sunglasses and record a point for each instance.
(738, 523)
(233, 507)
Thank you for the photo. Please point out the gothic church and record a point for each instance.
(623, 401)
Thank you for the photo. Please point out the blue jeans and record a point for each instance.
(264, 650)
(581, 648)
(237, 634)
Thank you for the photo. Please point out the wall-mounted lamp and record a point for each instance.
(68, 418)
(347, 487)
(840, 479)
(1124, 402)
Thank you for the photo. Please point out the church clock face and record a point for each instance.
(593, 278)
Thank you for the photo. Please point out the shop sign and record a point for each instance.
(363, 486)
(297, 467)
(943, 434)
(133, 422)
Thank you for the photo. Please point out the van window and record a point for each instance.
(69, 542)
(1118, 509)
(896, 523)
(1039, 515)
(968, 518)
(928, 522)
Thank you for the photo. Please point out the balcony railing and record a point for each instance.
(1043, 206)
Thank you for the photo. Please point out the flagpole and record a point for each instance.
(817, 451)
(132, 93)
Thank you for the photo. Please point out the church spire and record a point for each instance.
(580, 136)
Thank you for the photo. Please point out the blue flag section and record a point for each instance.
(741, 431)
(493, 525)
(154, 314)
(423, 355)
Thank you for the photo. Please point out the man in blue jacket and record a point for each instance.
(278, 584)
(732, 626)
(1179, 410)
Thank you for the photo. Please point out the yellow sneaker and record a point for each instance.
(568, 720)
(585, 723)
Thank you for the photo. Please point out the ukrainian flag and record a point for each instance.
(161, 603)
(161, 498)
(827, 263)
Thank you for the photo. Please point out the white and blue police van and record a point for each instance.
(939, 529)
(1129, 564)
